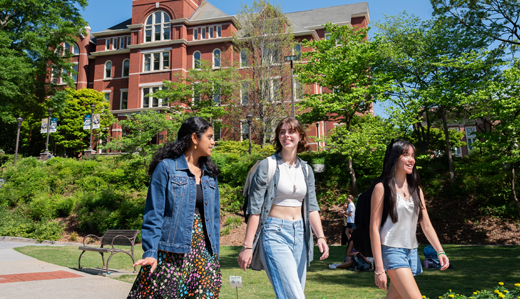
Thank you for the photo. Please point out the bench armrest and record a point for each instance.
(92, 236)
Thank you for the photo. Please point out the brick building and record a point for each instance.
(167, 37)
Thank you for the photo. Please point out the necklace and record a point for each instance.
(295, 175)
(404, 193)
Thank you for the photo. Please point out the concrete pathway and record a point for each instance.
(25, 277)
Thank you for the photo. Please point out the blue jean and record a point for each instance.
(394, 258)
(284, 257)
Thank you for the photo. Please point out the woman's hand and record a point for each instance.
(380, 279)
(244, 258)
(147, 261)
(445, 262)
(324, 248)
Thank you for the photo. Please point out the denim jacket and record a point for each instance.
(260, 202)
(170, 207)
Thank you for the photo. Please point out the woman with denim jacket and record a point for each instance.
(281, 212)
(181, 223)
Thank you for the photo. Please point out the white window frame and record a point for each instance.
(203, 33)
(219, 59)
(218, 31)
(150, 99)
(74, 47)
(123, 68)
(107, 44)
(123, 90)
(241, 59)
(219, 95)
(211, 31)
(242, 93)
(161, 60)
(128, 41)
(105, 93)
(151, 27)
(122, 43)
(296, 82)
(195, 33)
(194, 60)
(472, 136)
(215, 138)
(297, 53)
(75, 76)
(105, 70)
(193, 97)
(114, 44)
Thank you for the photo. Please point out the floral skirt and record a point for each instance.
(182, 275)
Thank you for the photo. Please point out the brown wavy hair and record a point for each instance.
(294, 124)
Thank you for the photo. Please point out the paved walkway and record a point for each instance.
(25, 277)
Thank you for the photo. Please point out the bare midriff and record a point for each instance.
(286, 213)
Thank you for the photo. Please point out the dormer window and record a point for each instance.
(157, 27)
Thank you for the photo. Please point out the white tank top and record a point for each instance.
(291, 188)
(401, 234)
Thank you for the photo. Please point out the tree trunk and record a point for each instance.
(353, 177)
(451, 169)
(513, 191)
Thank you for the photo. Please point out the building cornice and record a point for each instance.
(111, 32)
(135, 26)
(159, 44)
(107, 53)
(128, 112)
(210, 41)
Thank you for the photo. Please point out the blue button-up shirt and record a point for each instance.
(260, 202)
(170, 206)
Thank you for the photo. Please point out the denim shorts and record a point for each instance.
(394, 258)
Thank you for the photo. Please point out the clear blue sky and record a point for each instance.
(102, 14)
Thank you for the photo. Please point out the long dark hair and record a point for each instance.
(177, 148)
(394, 150)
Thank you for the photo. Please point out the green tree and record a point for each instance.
(498, 19)
(365, 141)
(264, 38)
(70, 134)
(141, 128)
(30, 31)
(342, 65)
(433, 68)
(500, 103)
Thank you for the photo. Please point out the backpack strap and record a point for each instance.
(271, 169)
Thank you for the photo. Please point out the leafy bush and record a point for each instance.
(15, 224)
(499, 292)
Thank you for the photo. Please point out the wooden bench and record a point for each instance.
(125, 237)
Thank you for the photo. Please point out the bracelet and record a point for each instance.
(323, 238)
(245, 247)
(379, 273)
(441, 253)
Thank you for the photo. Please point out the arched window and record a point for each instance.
(196, 60)
(126, 67)
(216, 58)
(157, 27)
(72, 48)
(108, 69)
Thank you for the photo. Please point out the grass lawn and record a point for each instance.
(475, 268)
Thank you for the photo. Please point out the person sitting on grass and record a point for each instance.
(350, 259)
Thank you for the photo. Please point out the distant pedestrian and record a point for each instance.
(349, 215)
(181, 222)
(400, 200)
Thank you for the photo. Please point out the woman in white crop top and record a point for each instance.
(281, 215)
(397, 205)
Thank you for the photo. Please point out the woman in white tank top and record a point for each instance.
(397, 205)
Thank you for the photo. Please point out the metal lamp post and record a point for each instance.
(291, 59)
(249, 123)
(318, 133)
(19, 120)
(45, 154)
(92, 106)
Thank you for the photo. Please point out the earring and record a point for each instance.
(195, 147)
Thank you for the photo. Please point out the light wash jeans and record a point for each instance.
(284, 257)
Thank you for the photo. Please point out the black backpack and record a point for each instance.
(361, 233)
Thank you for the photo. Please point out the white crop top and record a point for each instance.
(291, 188)
(401, 234)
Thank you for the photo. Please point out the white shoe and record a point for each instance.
(333, 266)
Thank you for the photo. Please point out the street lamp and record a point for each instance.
(249, 123)
(291, 59)
(45, 154)
(19, 120)
(318, 133)
(92, 106)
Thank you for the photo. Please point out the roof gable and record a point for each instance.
(206, 10)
